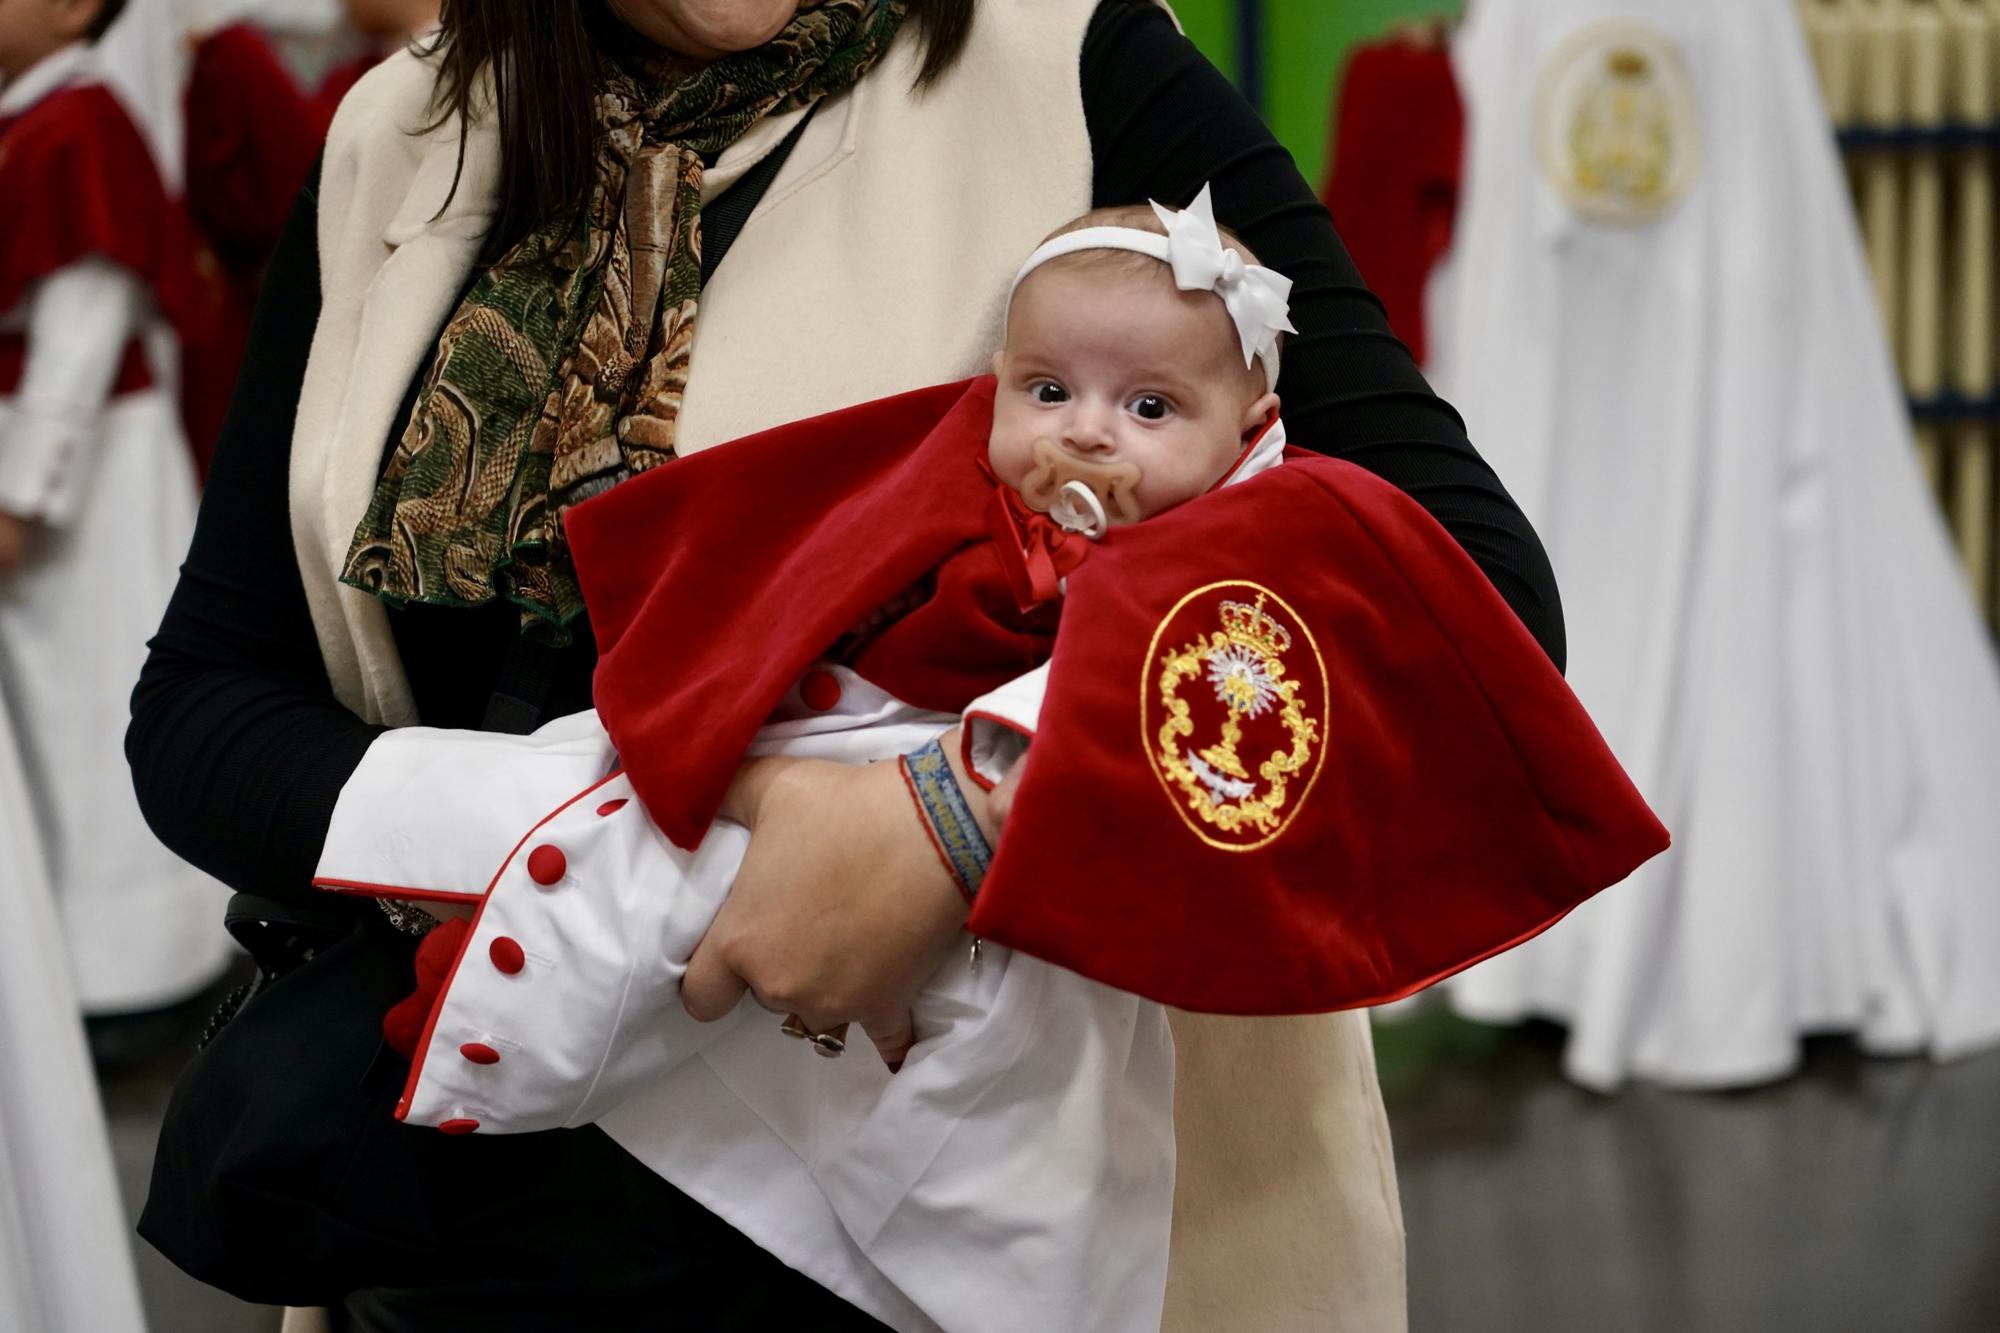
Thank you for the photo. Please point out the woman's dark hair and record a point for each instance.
(544, 71)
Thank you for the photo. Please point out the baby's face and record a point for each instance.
(1118, 378)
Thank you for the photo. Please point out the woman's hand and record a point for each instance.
(841, 910)
(17, 542)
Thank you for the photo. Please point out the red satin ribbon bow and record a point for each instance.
(1036, 551)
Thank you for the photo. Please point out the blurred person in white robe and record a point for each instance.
(1658, 316)
(65, 1248)
(98, 274)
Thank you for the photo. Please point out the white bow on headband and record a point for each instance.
(1258, 299)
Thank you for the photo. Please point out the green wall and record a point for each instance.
(1212, 26)
(1305, 43)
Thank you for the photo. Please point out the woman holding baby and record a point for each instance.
(430, 292)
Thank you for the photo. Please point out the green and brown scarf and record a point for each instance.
(561, 373)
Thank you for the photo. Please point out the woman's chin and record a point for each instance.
(707, 29)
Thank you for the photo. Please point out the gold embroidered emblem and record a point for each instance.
(1233, 713)
(1618, 131)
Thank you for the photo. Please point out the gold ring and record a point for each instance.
(829, 1043)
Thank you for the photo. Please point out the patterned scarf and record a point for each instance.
(561, 373)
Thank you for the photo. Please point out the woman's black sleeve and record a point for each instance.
(1162, 122)
(238, 747)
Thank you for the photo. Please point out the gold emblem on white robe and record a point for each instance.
(1617, 129)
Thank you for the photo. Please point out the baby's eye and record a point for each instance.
(1048, 391)
(1150, 407)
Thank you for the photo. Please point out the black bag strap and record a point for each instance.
(521, 693)
(520, 698)
(722, 221)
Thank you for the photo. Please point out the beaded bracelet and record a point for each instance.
(947, 818)
(408, 918)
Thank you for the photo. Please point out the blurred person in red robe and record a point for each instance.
(251, 136)
(100, 283)
(1392, 184)
(252, 132)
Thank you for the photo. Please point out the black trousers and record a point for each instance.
(283, 1177)
(565, 1230)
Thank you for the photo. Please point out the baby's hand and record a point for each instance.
(1001, 799)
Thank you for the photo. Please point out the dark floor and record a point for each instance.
(1863, 1195)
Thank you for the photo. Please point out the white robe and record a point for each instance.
(115, 488)
(1017, 1174)
(1684, 380)
(65, 1248)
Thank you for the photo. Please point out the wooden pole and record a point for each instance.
(1829, 28)
(1880, 49)
(1923, 42)
(1971, 30)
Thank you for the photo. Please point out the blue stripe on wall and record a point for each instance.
(1250, 51)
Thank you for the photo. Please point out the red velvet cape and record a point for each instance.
(1410, 786)
(77, 180)
(714, 583)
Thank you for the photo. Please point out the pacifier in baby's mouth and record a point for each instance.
(1080, 494)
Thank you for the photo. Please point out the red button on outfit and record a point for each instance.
(612, 807)
(479, 1053)
(507, 955)
(458, 1126)
(820, 690)
(547, 865)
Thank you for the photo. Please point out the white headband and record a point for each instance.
(1258, 298)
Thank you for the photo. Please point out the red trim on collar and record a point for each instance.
(1249, 448)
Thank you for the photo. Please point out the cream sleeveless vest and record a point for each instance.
(877, 262)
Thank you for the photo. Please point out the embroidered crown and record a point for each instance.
(1254, 628)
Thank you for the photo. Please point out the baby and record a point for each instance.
(1172, 839)
(1119, 392)
(1125, 387)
